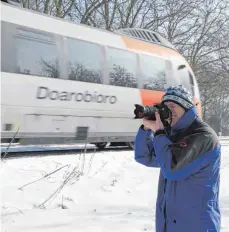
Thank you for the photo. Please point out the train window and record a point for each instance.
(36, 54)
(84, 61)
(186, 79)
(153, 73)
(7, 47)
(191, 78)
(122, 68)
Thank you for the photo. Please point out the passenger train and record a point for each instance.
(63, 82)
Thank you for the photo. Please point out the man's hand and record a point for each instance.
(153, 125)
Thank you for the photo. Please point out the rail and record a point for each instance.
(224, 137)
(224, 140)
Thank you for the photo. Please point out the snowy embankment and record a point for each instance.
(114, 193)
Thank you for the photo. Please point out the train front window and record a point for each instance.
(84, 61)
(122, 68)
(186, 79)
(36, 54)
(153, 73)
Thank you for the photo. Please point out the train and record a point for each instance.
(63, 82)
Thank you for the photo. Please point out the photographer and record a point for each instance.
(189, 161)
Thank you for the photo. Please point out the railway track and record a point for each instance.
(29, 151)
(16, 150)
(224, 140)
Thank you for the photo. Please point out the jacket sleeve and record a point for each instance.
(144, 150)
(180, 160)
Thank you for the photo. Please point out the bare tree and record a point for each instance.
(58, 8)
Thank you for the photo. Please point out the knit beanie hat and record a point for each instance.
(180, 95)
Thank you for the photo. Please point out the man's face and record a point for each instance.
(177, 111)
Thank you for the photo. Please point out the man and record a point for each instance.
(189, 162)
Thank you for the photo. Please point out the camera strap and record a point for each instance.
(167, 130)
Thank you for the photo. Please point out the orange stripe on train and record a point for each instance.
(133, 44)
(148, 47)
(199, 106)
(150, 97)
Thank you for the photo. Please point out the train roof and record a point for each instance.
(130, 39)
(134, 33)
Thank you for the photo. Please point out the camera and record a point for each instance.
(148, 112)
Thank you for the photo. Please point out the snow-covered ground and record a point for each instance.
(114, 194)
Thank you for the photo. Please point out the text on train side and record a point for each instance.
(46, 93)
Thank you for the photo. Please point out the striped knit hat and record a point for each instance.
(180, 95)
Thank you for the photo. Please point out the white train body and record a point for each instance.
(65, 100)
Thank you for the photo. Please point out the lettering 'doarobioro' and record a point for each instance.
(86, 96)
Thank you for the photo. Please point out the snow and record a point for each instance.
(114, 194)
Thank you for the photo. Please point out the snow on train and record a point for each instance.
(63, 82)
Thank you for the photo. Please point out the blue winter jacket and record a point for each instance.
(189, 162)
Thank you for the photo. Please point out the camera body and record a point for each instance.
(148, 112)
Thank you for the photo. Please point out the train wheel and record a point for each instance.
(101, 145)
(130, 145)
